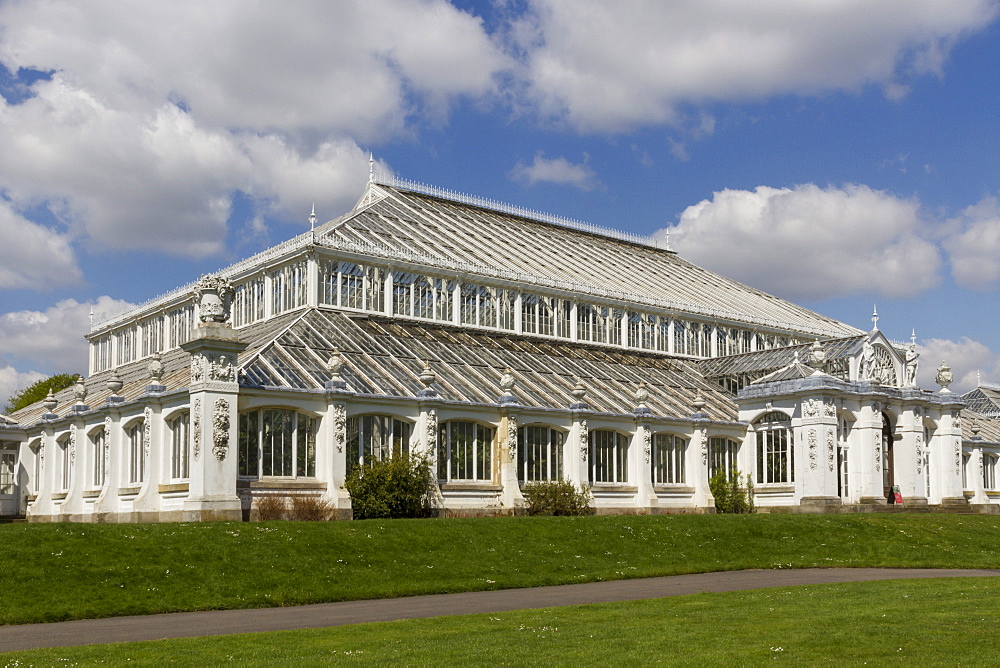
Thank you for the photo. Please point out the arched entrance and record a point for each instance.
(888, 465)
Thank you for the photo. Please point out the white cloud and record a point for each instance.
(33, 256)
(974, 245)
(555, 170)
(155, 116)
(966, 357)
(809, 242)
(12, 380)
(52, 340)
(609, 66)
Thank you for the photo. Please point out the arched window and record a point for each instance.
(99, 448)
(775, 458)
(722, 455)
(989, 471)
(8, 463)
(465, 452)
(65, 463)
(179, 458)
(608, 456)
(136, 453)
(276, 442)
(668, 459)
(375, 437)
(539, 453)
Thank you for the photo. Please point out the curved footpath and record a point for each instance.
(322, 615)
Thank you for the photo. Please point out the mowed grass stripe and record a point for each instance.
(951, 621)
(73, 571)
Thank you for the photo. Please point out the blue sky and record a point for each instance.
(839, 154)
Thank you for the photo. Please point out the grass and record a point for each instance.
(72, 571)
(904, 622)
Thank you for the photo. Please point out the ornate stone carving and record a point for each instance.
(830, 409)
(981, 464)
(956, 417)
(215, 296)
(72, 445)
(107, 446)
(431, 436)
(919, 446)
(647, 442)
(196, 428)
(221, 368)
(584, 440)
(220, 429)
(512, 437)
(831, 450)
(811, 408)
(704, 450)
(958, 456)
(340, 426)
(198, 364)
(813, 453)
(147, 421)
(878, 451)
(114, 383)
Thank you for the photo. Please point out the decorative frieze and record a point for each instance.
(147, 421)
(958, 456)
(919, 447)
(878, 452)
(339, 426)
(212, 368)
(647, 442)
(830, 450)
(584, 440)
(220, 429)
(431, 436)
(196, 428)
(512, 437)
(107, 446)
(813, 449)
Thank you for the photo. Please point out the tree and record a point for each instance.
(39, 390)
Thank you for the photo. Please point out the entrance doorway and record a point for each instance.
(888, 468)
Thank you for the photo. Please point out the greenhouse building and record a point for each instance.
(506, 345)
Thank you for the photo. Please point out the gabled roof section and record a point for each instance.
(384, 357)
(406, 223)
(984, 400)
(794, 371)
(766, 361)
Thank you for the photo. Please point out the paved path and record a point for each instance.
(221, 622)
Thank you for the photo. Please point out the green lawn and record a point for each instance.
(57, 572)
(951, 621)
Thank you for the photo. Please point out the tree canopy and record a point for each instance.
(39, 390)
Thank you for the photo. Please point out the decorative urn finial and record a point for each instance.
(80, 390)
(944, 377)
(579, 390)
(215, 296)
(155, 369)
(698, 403)
(50, 402)
(507, 381)
(428, 378)
(335, 364)
(114, 383)
(817, 354)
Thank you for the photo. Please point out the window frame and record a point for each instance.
(534, 453)
(617, 469)
(295, 455)
(667, 459)
(448, 455)
(775, 449)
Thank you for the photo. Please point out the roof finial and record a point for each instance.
(913, 336)
(979, 378)
(312, 218)
(91, 318)
(874, 319)
(371, 167)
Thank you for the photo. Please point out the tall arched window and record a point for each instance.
(276, 442)
(465, 452)
(375, 437)
(722, 455)
(539, 453)
(608, 456)
(775, 457)
(179, 458)
(668, 459)
(99, 447)
(137, 454)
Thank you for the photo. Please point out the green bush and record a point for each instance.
(730, 495)
(400, 486)
(556, 497)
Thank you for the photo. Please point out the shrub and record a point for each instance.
(400, 486)
(271, 508)
(556, 497)
(730, 495)
(310, 509)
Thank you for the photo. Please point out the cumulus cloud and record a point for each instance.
(41, 258)
(966, 357)
(809, 242)
(12, 381)
(52, 340)
(609, 66)
(974, 245)
(555, 170)
(143, 133)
